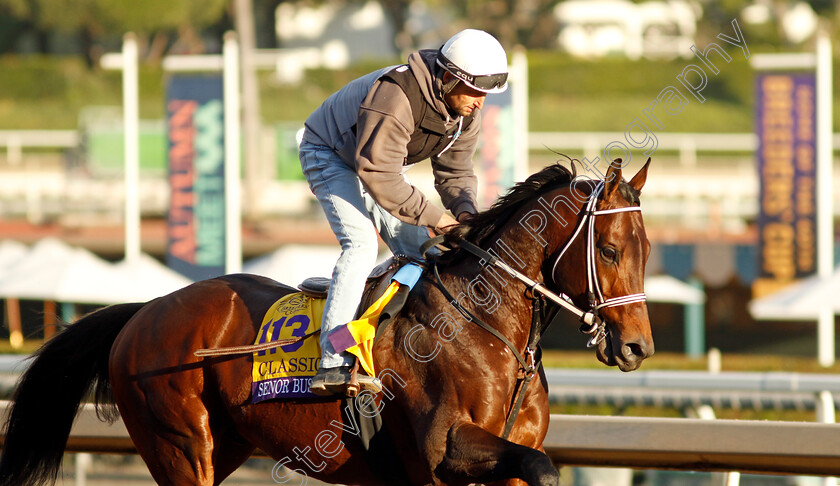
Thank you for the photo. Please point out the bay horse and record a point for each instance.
(449, 384)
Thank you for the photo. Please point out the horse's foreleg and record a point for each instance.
(475, 454)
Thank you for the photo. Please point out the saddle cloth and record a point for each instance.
(287, 371)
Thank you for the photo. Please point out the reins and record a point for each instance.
(471, 317)
(251, 348)
(592, 325)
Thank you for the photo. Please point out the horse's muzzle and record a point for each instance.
(633, 353)
(627, 355)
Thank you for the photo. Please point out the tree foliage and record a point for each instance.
(118, 16)
(514, 22)
(95, 20)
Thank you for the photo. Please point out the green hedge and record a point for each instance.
(566, 94)
(38, 92)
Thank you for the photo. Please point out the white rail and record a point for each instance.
(695, 380)
(16, 140)
(692, 389)
(686, 444)
(695, 444)
(712, 185)
(702, 142)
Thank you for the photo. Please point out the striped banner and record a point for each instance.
(786, 128)
(196, 154)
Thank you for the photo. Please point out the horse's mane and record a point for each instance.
(485, 223)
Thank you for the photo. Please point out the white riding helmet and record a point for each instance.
(476, 58)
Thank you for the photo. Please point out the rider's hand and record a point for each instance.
(465, 217)
(445, 223)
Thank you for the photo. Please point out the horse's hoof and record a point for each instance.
(542, 471)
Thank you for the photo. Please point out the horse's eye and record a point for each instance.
(609, 253)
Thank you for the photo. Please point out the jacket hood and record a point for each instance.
(424, 67)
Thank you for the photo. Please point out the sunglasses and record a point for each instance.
(481, 81)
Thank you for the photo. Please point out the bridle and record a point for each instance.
(592, 324)
(597, 327)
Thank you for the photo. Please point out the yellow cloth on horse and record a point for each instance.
(286, 371)
(363, 330)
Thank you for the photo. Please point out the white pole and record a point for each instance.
(825, 209)
(243, 13)
(233, 211)
(714, 361)
(826, 415)
(83, 463)
(732, 478)
(131, 115)
(519, 75)
(14, 150)
(729, 478)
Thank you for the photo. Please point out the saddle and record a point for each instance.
(375, 285)
(380, 300)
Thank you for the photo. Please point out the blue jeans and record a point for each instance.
(355, 218)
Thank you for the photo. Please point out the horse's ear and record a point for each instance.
(639, 179)
(612, 179)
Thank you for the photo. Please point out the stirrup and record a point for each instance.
(351, 385)
(354, 386)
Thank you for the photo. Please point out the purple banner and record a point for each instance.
(786, 129)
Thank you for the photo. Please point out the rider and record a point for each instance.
(355, 148)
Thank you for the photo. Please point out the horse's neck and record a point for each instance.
(537, 232)
(524, 243)
(484, 287)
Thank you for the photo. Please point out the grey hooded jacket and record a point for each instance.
(369, 124)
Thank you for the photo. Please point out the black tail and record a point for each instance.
(48, 395)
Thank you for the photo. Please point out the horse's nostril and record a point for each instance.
(634, 351)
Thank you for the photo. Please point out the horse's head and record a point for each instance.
(598, 260)
(604, 267)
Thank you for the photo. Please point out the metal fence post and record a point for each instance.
(83, 462)
(826, 415)
(731, 478)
